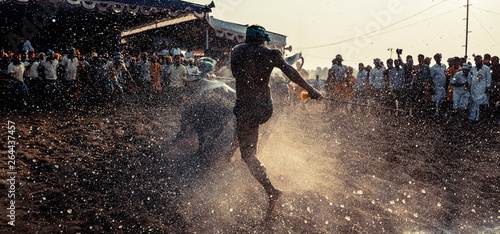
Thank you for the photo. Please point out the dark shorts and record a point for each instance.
(253, 111)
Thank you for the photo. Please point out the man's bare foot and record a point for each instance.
(273, 203)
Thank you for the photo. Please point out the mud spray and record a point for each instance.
(339, 173)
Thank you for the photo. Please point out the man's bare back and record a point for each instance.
(252, 65)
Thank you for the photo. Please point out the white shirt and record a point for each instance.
(339, 74)
(175, 51)
(189, 54)
(32, 72)
(71, 66)
(145, 68)
(439, 79)
(360, 83)
(17, 71)
(164, 72)
(377, 77)
(50, 69)
(177, 74)
(192, 70)
(114, 68)
(396, 79)
(481, 79)
(460, 78)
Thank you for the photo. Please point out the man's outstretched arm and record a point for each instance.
(294, 76)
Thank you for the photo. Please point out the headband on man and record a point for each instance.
(257, 33)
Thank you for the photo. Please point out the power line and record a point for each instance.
(422, 21)
(498, 44)
(477, 8)
(436, 16)
(368, 34)
(496, 13)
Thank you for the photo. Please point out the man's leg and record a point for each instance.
(248, 137)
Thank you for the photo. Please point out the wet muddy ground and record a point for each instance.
(113, 170)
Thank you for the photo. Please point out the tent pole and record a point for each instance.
(206, 39)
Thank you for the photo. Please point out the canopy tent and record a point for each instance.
(87, 24)
(201, 34)
(233, 31)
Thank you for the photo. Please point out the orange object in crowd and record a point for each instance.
(304, 95)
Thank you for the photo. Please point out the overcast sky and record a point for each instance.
(364, 30)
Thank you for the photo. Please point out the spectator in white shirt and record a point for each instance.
(17, 88)
(70, 65)
(191, 68)
(189, 54)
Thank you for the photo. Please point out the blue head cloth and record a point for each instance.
(117, 55)
(377, 60)
(50, 52)
(258, 34)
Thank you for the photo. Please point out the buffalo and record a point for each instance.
(208, 110)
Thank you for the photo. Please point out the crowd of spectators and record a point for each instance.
(49, 80)
(469, 91)
(32, 81)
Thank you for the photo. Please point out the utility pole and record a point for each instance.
(467, 29)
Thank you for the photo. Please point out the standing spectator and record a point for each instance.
(17, 88)
(176, 74)
(191, 68)
(69, 83)
(376, 82)
(453, 66)
(189, 54)
(438, 77)
(417, 91)
(49, 66)
(495, 86)
(461, 81)
(144, 81)
(31, 74)
(155, 74)
(409, 70)
(113, 69)
(480, 86)
(95, 82)
(164, 80)
(175, 49)
(360, 85)
(487, 60)
(386, 95)
(337, 80)
(135, 73)
(396, 85)
(426, 75)
(33, 81)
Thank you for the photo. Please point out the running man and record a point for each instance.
(251, 65)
